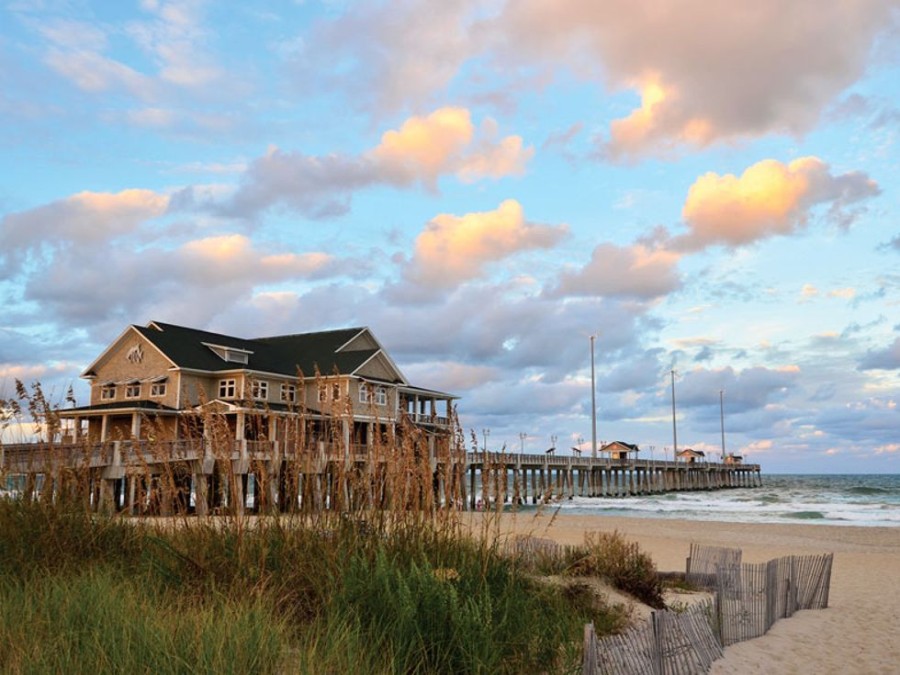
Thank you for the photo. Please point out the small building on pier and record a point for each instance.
(619, 450)
(690, 456)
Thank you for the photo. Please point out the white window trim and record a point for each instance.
(288, 393)
(132, 387)
(158, 389)
(380, 395)
(225, 385)
(364, 392)
(260, 390)
(107, 392)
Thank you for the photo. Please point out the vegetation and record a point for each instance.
(405, 589)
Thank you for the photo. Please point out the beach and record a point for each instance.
(857, 633)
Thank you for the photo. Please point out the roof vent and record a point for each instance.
(230, 354)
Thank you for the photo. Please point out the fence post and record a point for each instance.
(589, 662)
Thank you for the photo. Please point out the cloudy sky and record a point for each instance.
(710, 188)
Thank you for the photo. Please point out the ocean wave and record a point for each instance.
(869, 490)
(807, 515)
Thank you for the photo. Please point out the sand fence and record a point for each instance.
(748, 599)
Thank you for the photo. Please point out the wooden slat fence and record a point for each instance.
(670, 643)
(751, 601)
(704, 561)
(748, 600)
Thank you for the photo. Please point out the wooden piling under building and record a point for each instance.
(189, 477)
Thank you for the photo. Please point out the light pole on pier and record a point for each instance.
(593, 404)
(674, 427)
(522, 437)
(722, 419)
(484, 434)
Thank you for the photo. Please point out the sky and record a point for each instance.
(708, 188)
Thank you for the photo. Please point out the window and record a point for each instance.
(380, 396)
(333, 389)
(133, 390)
(158, 389)
(227, 388)
(259, 390)
(289, 393)
(363, 392)
(107, 392)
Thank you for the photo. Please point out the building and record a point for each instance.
(212, 415)
(620, 450)
(690, 456)
(154, 382)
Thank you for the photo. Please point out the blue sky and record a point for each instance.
(706, 187)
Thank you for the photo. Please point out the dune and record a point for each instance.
(857, 633)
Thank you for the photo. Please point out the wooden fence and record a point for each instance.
(669, 643)
(748, 600)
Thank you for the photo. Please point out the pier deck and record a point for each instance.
(261, 475)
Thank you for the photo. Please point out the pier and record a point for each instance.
(522, 478)
(192, 476)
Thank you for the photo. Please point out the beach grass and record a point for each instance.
(82, 592)
(406, 588)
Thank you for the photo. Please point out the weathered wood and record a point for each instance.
(748, 600)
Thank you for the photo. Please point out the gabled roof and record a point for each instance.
(620, 446)
(325, 351)
(690, 452)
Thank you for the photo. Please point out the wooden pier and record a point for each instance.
(142, 477)
(520, 478)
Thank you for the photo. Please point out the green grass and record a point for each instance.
(87, 593)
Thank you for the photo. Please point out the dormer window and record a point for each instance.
(107, 392)
(230, 354)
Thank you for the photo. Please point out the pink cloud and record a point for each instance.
(453, 249)
(769, 198)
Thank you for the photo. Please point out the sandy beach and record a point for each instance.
(858, 633)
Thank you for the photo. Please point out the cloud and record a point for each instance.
(393, 56)
(635, 271)
(745, 390)
(768, 199)
(454, 249)
(82, 220)
(705, 73)
(887, 358)
(424, 148)
(421, 151)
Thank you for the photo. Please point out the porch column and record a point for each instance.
(135, 425)
(104, 427)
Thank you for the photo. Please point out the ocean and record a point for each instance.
(848, 499)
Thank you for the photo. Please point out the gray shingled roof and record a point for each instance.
(283, 354)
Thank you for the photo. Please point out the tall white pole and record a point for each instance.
(593, 404)
(674, 428)
(722, 419)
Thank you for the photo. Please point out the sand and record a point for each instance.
(858, 633)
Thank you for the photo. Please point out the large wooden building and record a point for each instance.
(154, 382)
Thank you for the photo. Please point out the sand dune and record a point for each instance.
(858, 633)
